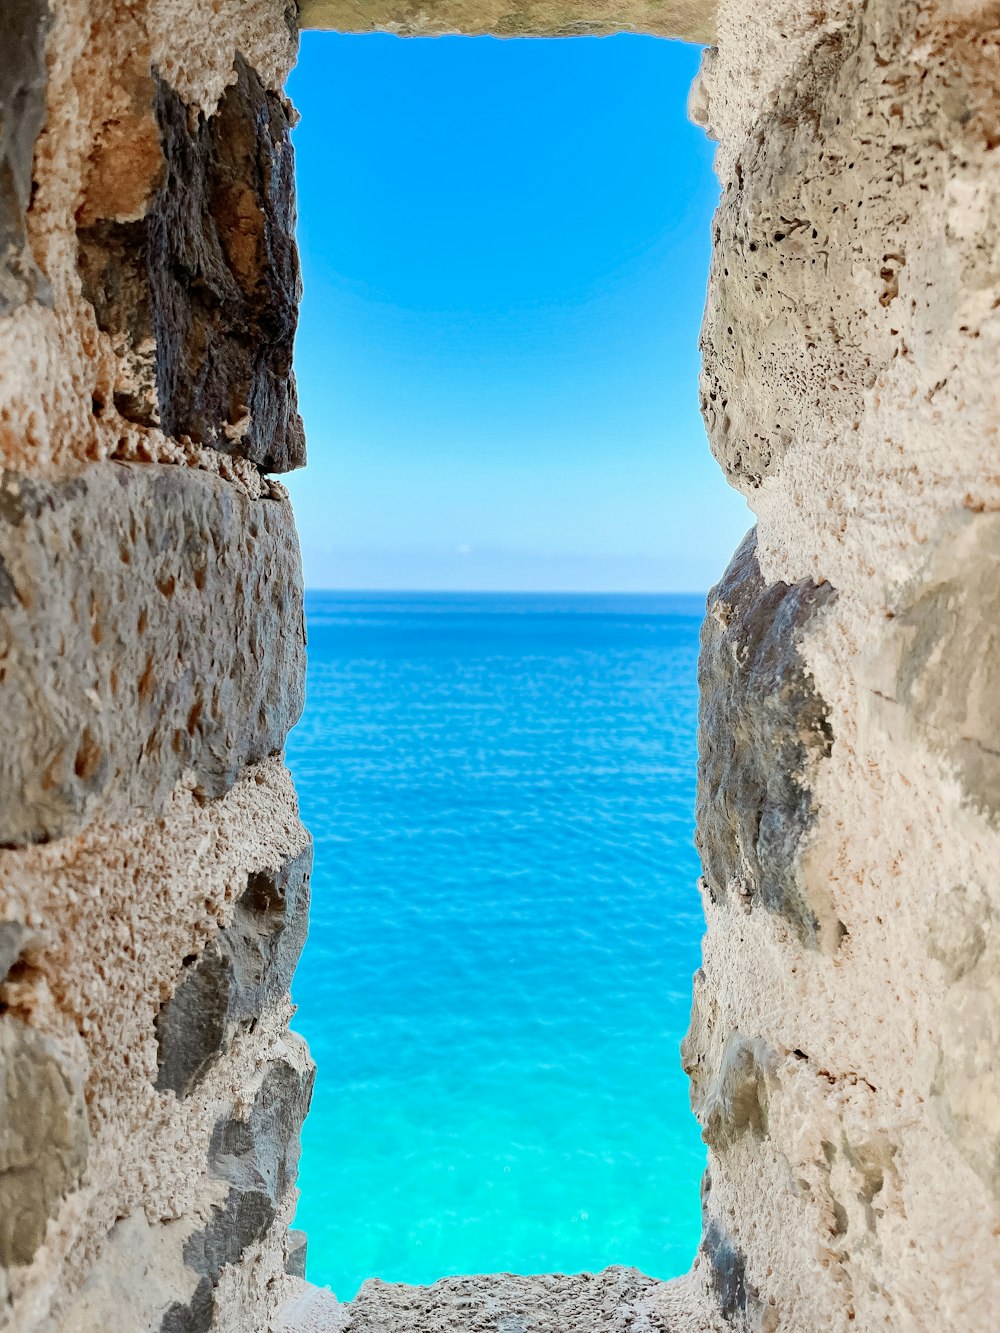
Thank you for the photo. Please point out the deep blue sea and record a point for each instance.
(504, 926)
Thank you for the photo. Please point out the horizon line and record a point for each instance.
(515, 592)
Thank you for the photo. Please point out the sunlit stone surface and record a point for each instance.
(691, 20)
(842, 1043)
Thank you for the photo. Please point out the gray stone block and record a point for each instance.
(43, 1136)
(22, 114)
(258, 1159)
(295, 1257)
(152, 625)
(737, 1101)
(242, 971)
(761, 728)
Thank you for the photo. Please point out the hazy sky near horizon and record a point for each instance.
(505, 250)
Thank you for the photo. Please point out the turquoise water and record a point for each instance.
(504, 927)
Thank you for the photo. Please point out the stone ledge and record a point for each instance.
(618, 1300)
(689, 20)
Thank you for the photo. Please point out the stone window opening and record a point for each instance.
(153, 868)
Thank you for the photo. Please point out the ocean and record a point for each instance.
(505, 921)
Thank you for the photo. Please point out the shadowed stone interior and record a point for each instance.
(201, 295)
(761, 727)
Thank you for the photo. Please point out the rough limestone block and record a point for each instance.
(253, 1163)
(936, 674)
(200, 296)
(25, 24)
(618, 1300)
(932, 683)
(150, 624)
(43, 1136)
(691, 20)
(761, 728)
(965, 1090)
(241, 972)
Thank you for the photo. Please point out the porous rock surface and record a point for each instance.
(104, 921)
(692, 20)
(200, 295)
(153, 870)
(619, 1300)
(150, 626)
(43, 1137)
(844, 1078)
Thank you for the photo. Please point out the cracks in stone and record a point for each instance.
(199, 297)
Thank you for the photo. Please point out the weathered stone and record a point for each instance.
(617, 1300)
(225, 276)
(739, 1303)
(783, 218)
(43, 1136)
(200, 297)
(241, 972)
(14, 938)
(22, 114)
(939, 658)
(691, 20)
(761, 728)
(957, 933)
(257, 1158)
(295, 1258)
(737, 1101)
(157, 630)
(963, 937)
(114, 274)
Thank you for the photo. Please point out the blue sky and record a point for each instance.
(505, 250)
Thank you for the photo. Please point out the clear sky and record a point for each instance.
(505, 250)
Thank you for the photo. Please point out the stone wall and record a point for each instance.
(153, 870)
(154, 874)
(846, 1020)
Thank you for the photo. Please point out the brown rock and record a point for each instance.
(225, 276)
(200, 296)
